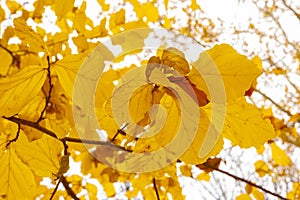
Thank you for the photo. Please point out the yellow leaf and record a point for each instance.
(194, 5)
(150, 11)
(42, 155)
(117, 19)
(13, 6)
(81, 43)
(257, 194)
(186, 170)
(261, 168)
(243, 197)
(279, 156)
(104, 6)
(235, 70)
(32, 112)
(206, 136)
(2, 14)
(174, 58)
(295, 191)
(61, 8)
(203, 177)
(17, 180)
(92, 190)
(29, 36)
(244, 124)
(66, 70)
(140, 103)
(109, 189)
(18, 90)
(6, 61)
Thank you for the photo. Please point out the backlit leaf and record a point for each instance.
(17, 180)
(19, 89)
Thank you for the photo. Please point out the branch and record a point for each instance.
(16, 137)
(155, 188)
(291, 9)
(244, 180)
(96, 142)
(34, 125)
(272, 101)
(68, 189)
(55, 189)
(49, 92)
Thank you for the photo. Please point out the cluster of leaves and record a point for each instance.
(38, 134)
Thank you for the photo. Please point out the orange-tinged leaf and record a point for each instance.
(174, 58)
(19, 89)
(279, 156)
(17, 180)
(210, 165)
(186, 170)
(41, 156)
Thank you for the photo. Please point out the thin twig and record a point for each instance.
(120, 130)
(16, 137)
(49, 92)
(96, 142)
(273, 102)
(68, 188)
(55, 189)
(291, 9)
(155, 188)
(245, 181)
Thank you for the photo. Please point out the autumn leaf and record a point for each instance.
(17, 180)
(235, 70)
(244, 124)
(41, 156)
(19, 89)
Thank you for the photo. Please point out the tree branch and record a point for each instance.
(31, 124)
(36, 126)
(55, 190)
(291, 9)
(273, 102)
(16, 137)
(155, 188)
(49, 92)
(244, 180)
(68, 188)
